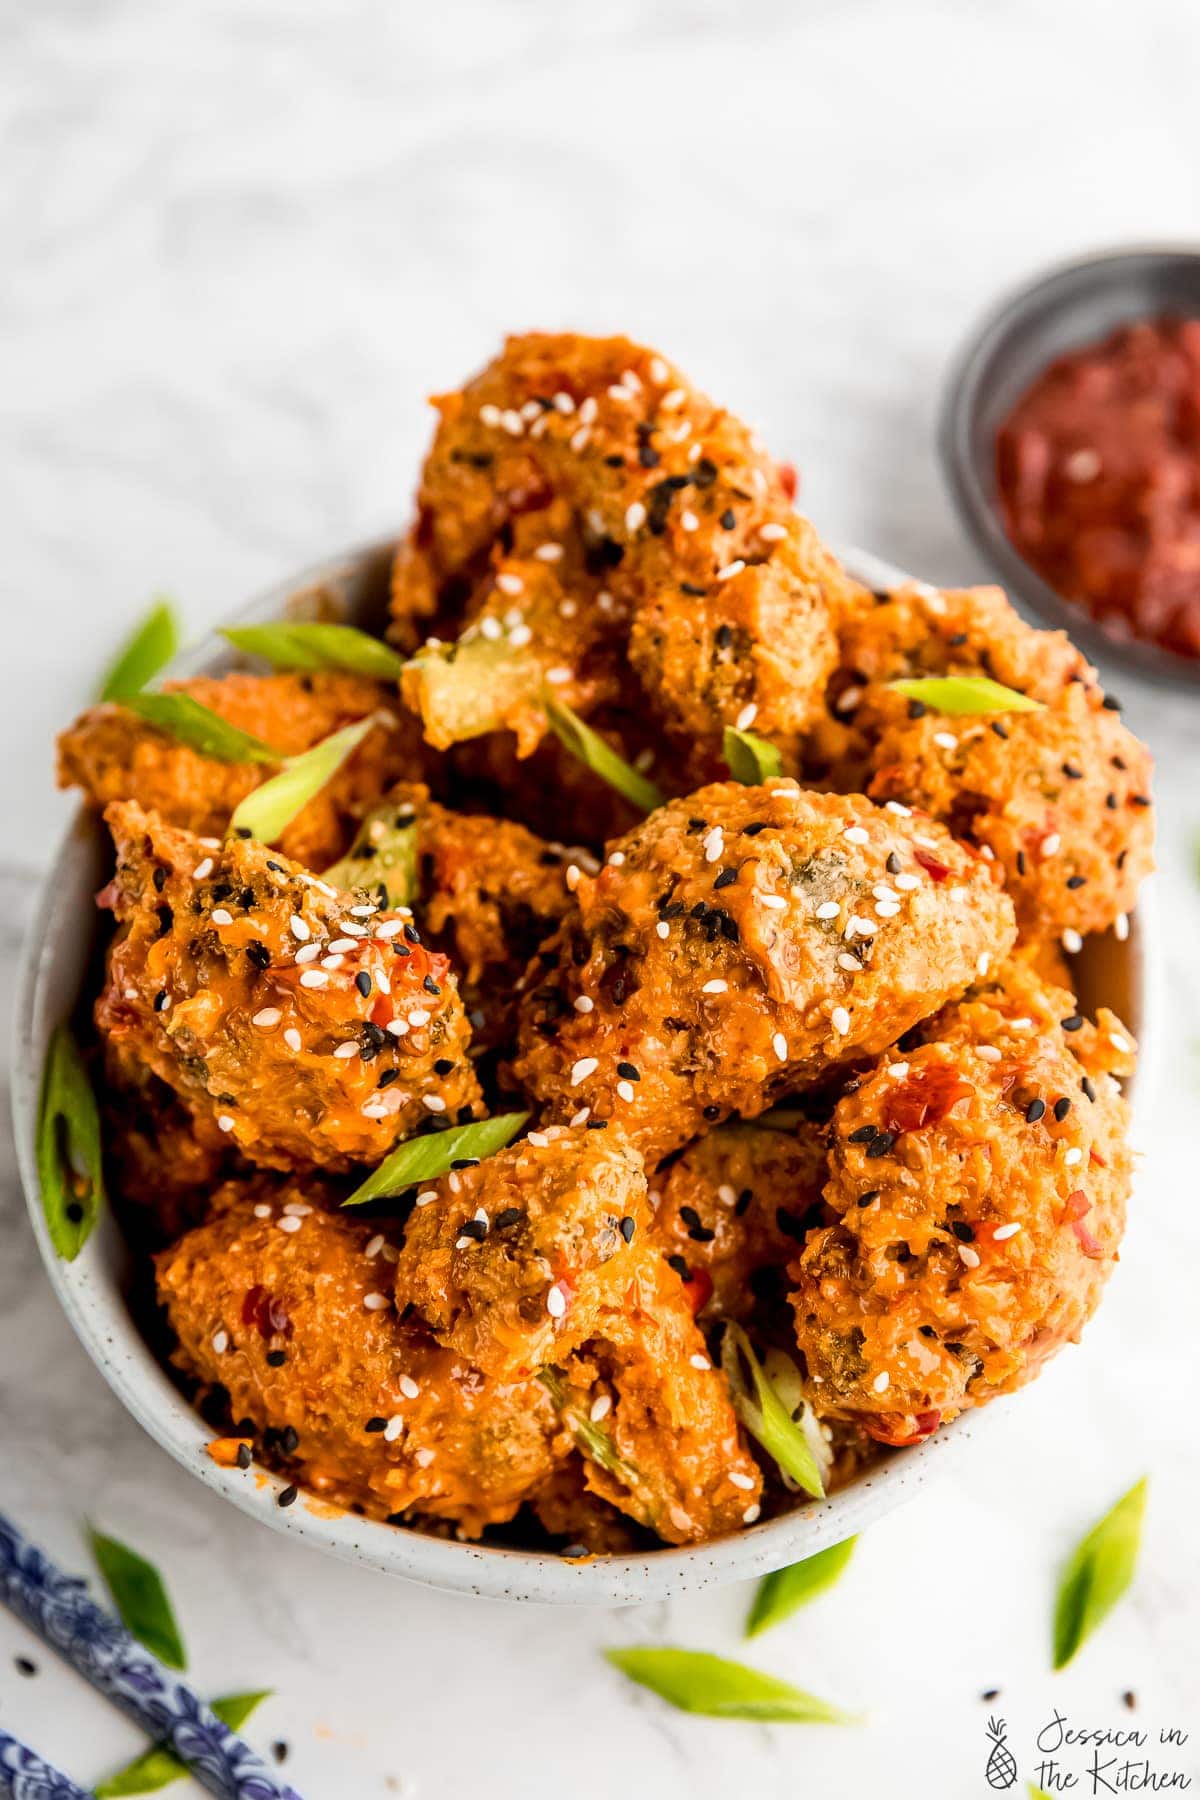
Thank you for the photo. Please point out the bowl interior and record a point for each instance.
(64, 942)
(1061, 311)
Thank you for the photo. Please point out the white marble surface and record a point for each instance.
(241, 241)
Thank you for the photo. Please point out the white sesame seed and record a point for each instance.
(203, 869)
(681, 1520)
(418, 1017)
(901, 812)
(489, 414)
(375, 1302)
(945, 740)
(297, 1209)
(224, 1122)
(600, 1408)
(588, 408)
(989, 1053)
(688, 520)
(557, 677)
(397, 1027)
(262, 1210)
(587, 1065)
(727, 1194)
(491, 628)
(1072, 943)
(715, 987)
(538, 1139)
(375, 1245)
(746, 717)
(713, 844)
(849, 963)
(581, 1116)
(220, 916)
(424, 1457)
(839, 1018)
(882, 1382)
(745, 1482)
(969, 1256)
(625, 1090)
(673, 400)
(898, 1070)
(699, 1362)
(854, 834)
(346, 1051)
(659, 372)
(314, 978)
(389, 928)
(662, 929)
(408, 1387)
(564, 404)
(433, 1102)
(779, 1046)
(509, 583)
(906, 883)
(584, 1003)
(1051, 844)
(220, 1342)
(635, 515)
(887, 909)
(512, 422)
(617, 860)
(1120, 1043)
(426, 1197)
(393, 1429)
(772, 533)
(579, 439)
(340, 945)
(847, 701)
(1006, 1231)
(984, 962)
(776, 902)
(288, 1224)
(332, 962)
(617, 392)
(730, 570)
(1073, 1156)
(556, 1304)
(751, 1514)
(519, 636)
(828, 909)
(1121, 927)
(266, 1017)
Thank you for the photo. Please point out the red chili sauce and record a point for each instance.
(1098, 469)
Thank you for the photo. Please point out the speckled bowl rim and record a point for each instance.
(90, 1294)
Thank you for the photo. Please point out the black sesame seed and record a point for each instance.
(628, 1071)
(1139, 799)
(689, 587)
(1061, 1109)
(999, 730)
(464, 1162)
(244, 1457)
(258, 954)
(597, 1124)
(161, 1000)
(1020, 862)
(1110, 800)
(289, 1440)
(473, 1228)
(412, 934)
(726, 878)
(287, 1497)
(1071, 772)
(276, 1358)
(728, 519)
(962, 1231)
(690, 1216)
(648, 457)
(430, 985)
(1076, 881)
(627, 1228)
(1087, 1088)
(160, 880)
(277, 868)
(1111, 703)
(1074, 1023)
(754, 829)
(1035, 1111)
(387, 1078)
(724, 636)
(362, 982)
(375, 1424)
(679, 1264)
(246, 899)
(917, 709)
(893, 864)
(616, 461)
(704, 473)
(863, 1135)
(695, 825)
(927, 1331)
(870, 1197)
(510, 1216)
(712, 1112)
(374, 1034)
(882, 1144)
(442, 1066)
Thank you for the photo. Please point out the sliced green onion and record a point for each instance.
(960, 696)
(201, 729)
(752, 760)
(384, 854)
(315, 647)
(1098, 1573)
(69, 1157)
(697, 1682)
(425, 1158)
(784, 1591)
(267, 811)
(140, 1596)
(159, 1767)
(591, 750)
(766, 1416)
(149, 649)
(599, 1446)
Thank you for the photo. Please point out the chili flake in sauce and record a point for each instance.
(1098, 474)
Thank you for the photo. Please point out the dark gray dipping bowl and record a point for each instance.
(1075, 304)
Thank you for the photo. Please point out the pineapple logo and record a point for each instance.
(1001, 1764)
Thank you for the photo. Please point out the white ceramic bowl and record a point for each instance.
(63, 941)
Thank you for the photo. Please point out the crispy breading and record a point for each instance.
(980, 1183)
(112, 754)
(584, 508)
(739, 943)
(276, 1300)
(270, 1007)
